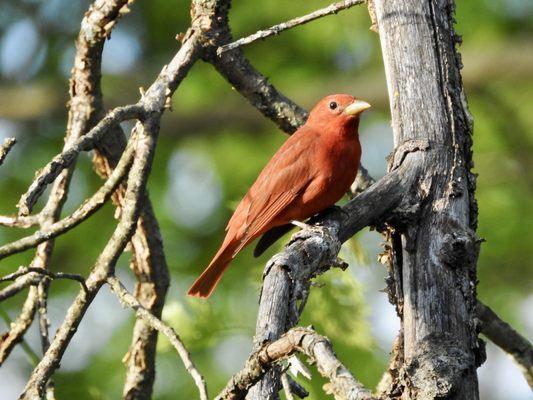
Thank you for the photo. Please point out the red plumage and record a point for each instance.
(311, 171)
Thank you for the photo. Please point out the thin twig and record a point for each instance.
(88, 208)
(44, 325)
(296, 388)
(509, 340)
(277, 29)
(43, 272)
(127, 299)
(6, 148)
(63, 160)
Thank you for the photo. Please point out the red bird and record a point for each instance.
(311, 171)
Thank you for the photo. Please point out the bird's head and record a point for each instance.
(338, 110)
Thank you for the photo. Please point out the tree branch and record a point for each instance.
(128, 300)
(318, 348)
(40, 273)
(19, 285)
(89, 207)
(65, 159)
(154, 102)
(18, 327)
(104, 265)
(509, 340)
(19, 221)
(277, 29)
(6, 148)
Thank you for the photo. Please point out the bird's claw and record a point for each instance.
(301, 225)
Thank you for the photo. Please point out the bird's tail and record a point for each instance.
(206, 283)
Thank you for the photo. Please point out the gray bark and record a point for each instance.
(439, 246)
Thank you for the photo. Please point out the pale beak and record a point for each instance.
(357, 107)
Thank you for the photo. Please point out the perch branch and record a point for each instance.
(306, 341)
(277, 29)
(128, 300)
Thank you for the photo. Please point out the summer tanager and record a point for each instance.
(311, 171)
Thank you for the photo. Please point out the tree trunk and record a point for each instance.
(439, 246)
(434, 228)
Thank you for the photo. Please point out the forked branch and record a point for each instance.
(317, 348)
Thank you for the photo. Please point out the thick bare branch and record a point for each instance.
(342, 384)
(128, 300)
(277, 29)
(509, 340)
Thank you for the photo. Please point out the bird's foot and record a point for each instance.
(306, 230)
(301, 225)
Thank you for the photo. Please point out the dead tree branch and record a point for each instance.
(504, 336)
(19, 285)
(40, 273)
(19, 221)
(6, 148)
(89, 207)
(19, 326)
(342, 384)
(277, 29)
(148, 259)
(65, 159)
(105, 263)
(153, 104)
(128, 300)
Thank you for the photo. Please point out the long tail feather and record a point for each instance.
(206, 283)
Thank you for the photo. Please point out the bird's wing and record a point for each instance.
(282, 180)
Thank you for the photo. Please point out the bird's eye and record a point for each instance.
(333, 105)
